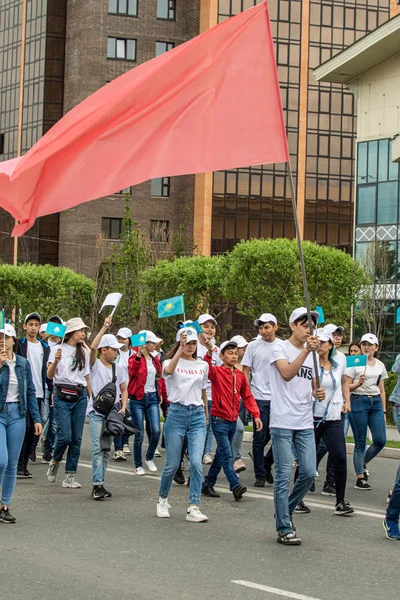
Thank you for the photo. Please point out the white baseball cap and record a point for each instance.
(331, 328)
(228, 343)
(124, 333)
(9, 330)
(240, 341)
(325, 336)
(191, 334)
(370, 338)
(206, 317)
(302, 312)
(109, 340)
(43, 328)
(265, 317)
(151, 337)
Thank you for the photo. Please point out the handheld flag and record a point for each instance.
(138, 340)
(56, 329)
(2, 319)
(321, 318)
(111, 300)
(359, 360)
(171, 306)
(398, 316)
(193, 325)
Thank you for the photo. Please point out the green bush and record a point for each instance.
(45, 289)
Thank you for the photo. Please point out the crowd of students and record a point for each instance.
(207, 394)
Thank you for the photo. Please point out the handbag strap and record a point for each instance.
(114, 369)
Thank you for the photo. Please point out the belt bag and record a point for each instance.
(69, 393)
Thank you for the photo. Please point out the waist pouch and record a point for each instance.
(69, 393)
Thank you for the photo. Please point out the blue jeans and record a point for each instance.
(49, 433)
(12, 432)
(148, 407)
(260, 440)
(396, 417)
(237, 440)
(184, 421)
(304, 443)
(393, 509)
(223, 431)
(70, 419)
(208, 445)
(366, 412)
(99, 456)
(120, 441)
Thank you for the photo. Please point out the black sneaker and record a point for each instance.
(312, 488)
(301, 508)
(20, 474)
(46, 459)
(27, 474)
(343, 508)
(260, 482)
(5, 516)
(328, 490)
(98, 492)
(179, 477)
(269, 477)
(107, 494)
(238, 492)
(361, 484)
(32, 456)
(208, 490)
(289, 539)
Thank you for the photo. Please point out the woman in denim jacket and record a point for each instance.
(395, 398)
(17, 398)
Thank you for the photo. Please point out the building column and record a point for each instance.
(204, 181)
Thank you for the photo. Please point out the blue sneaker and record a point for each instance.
(391, 529)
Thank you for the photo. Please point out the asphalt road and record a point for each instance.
(65, 545)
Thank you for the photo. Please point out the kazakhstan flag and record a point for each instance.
(2, 319)
(358, 360)
(171, 307)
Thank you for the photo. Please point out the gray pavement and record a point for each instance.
(65, 545)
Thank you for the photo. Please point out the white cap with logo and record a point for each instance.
(124, 333)
(265, 317)
(151, 337)
(191, 334)
(298, 313)
(9, 330)
(370, 338)
(109, 341)
(228, 343)
(240, 341)
(206, 317)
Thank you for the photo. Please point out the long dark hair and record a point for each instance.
(172, 351)
(80, 359)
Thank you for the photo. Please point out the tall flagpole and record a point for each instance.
(303, 267)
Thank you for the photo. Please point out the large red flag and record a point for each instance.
(212, 103)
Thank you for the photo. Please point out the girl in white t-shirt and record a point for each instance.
(368, 408)
(121, 442)
(68, 366)
(186, 380)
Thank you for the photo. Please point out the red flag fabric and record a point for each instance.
(210, 104)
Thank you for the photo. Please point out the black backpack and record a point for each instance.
(106, 397)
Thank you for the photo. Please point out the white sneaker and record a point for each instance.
(207, 459)
(150, 464)
(52, 471)
(140, 471)
(194, 515)
(126, 449)
(157, 453)
(119, 456)
(70, 482)
(163, 508)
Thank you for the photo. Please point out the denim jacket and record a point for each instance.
(395, 395)
(27, 392)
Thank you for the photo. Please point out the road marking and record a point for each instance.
(272, 590)
(257, 495)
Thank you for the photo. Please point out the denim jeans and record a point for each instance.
(99, 456)
(304, 444)
(237, 440)
(366, 412)
(49, 433)
(147, 407)
(396, 417)
(223, 431)
(70, 419)
(260, 440)
(12, 432)
(393, 510)
(120, 441)
(184, 421)
(208, 445)
(44, 407)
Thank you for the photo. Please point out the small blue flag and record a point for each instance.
(398, 315)
(2, 319)
(193, 325)
(321, 318)
(171, 307)
(56, 329)
(358, 360)
(138, 340)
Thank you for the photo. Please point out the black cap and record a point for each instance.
(56, 319)
(33, 316)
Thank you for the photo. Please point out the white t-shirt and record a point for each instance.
(122, 359)
(150, 385)
(64, 372)
(258, 358)
(291, 401)
(336, 403)
(373, 375)
(187, 382)
(13, 391)
(35, 357)
(215, 361)
(52, 343)
(100, 375)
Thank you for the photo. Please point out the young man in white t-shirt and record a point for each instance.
(101, 373)
(292, 380)
(256, 362)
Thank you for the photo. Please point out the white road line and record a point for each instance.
(259, 495)
(272, 590)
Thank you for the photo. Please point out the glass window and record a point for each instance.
(162, 47)
(123, 7)
(159, 231)
(387, 203)
(366, 205)
(120, 48)
(160, 187)
(111, 47)
(372, 162)
(362, 162)
(393, 166)
(111, 228)
(383, 158)
(166, 9)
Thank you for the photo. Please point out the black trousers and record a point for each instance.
(27, 443)
(331, 432)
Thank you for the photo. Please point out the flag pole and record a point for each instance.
(303, 267)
